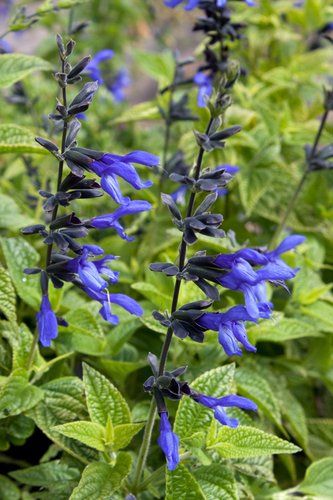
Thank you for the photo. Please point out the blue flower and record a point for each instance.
(5, 47)
(218, 405)
(223, 3)
(168, 442)
(106, 299)
(205, 87)
(112, 220)
(118, 84)
(93, 68)
(46, 322)
(110, 166)
(191, 4)
(90, 272)
(231, 327)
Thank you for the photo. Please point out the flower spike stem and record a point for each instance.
(143, 453)
(300, 185)
(55, 210)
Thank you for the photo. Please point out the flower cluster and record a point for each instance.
(245, 271)
(68, 260)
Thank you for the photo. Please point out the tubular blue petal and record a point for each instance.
(238, 402)
(46, 323)
(240, 334)
(168, 442)
(129, 174)
(110, 185)
(223, 418)
(228, 341)
(289, 243)
(127, 303)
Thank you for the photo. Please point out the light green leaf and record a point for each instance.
(119, 370)
(255, 387)
(123, 434)
(20, 339)
(17, 395)
(46, 474)
(7, 294)
(83, 334)
(63, 402)
(139, 112)
(103, 399)
(193, 418)
(151, 292)
(50, 5)
(100, 480)
(88, 433)
(181, 485)
(8, 489)
(322, 313)
(19, 254)
(17, 139)
(318, 479)
(216, 482)
(160, 66)
(249, 442)
(281, 329)
(15, 67)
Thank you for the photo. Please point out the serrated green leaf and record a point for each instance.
(100, 480)
(151, 292)
(322, 312)
(191, 417)
(318, 479)
(19, 254)
(255, 387)
(7, 294)
(15, 67)
(216, 481)
(119, 370)
(86, 432)
(8, 489)
(20, 339)
(45, 474)
(83, 334)
(103, 399)
(181, 485)
(123, 434)
(17, 139)
(249, 442)
(63, 402)
(281, 329)
(17, 395)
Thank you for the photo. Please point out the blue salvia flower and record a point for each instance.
(47, 323)
(219, 405)
(231, 326)
(192, 4)
(168, 442)
(118, 85)
(205, 87)
(5, 47)
(106, 299)
(93, 68)
(111, 220)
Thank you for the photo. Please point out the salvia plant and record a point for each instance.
(165, 268)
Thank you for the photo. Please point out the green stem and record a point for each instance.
(142, 458)
(299, 187)
(166, 345)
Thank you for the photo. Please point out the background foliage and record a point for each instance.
(81, 401)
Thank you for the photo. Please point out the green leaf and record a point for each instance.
(281, 329)
(17, 395)
(160, 66)
(216, 481)
(151, 292)
(19, 255)
(181, 485)
(255, 387)
(318, 479)
(63, 402)
(322, 313)
(7, 294)
(100, 480)
(138, 112)
(119, 370)
(249, 442)
(20, 339)
(8, 489)
(17, 139)
(83, 334)
(88, 433)
(103, 399)
(193, 418)
(123, 434)
(46, 474)
(15, 67)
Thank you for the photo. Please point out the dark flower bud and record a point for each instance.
(70, 47)
(36, 228)
(79, 67)
(61, 46)
(328, 102)
(48, 145)
(61, 79)
(73, 129)
(32, 270)
(169, 202)
(164, 267)
(65, 221)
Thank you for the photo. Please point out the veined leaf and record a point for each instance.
(45, 474)
(181, 485)
(249, 442)
(281, 329)
(139, 112)
(86, 432)
(100, 480)
(8, 489)
(216, 481)
(17, 395)
(17, 139)
(15, 67)
(318, 479)
(7, 295)
(123, 434)
(103, 399)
